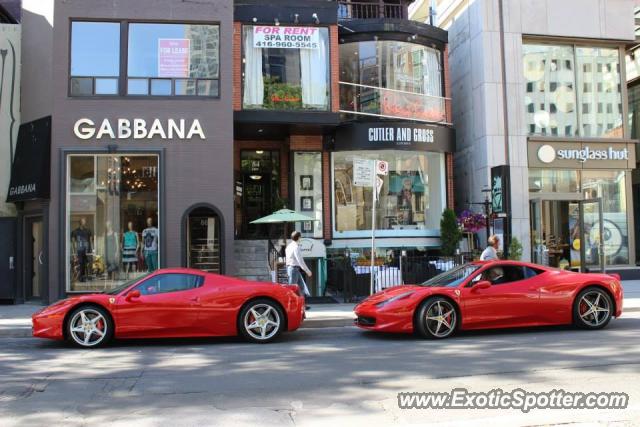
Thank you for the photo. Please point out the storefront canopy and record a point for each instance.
(30, 171)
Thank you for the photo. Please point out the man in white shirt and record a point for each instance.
(296, 264)
(491, 253)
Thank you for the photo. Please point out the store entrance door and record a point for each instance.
(34, 259)
(567, 234)
(260, 195)
(203, 240)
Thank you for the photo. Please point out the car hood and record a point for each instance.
(390, 292)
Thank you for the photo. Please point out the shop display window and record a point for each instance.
(412, 195)
(111, 220)
(307, 167)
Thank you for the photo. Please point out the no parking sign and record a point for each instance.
(382, 167)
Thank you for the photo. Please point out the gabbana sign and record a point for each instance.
(588, 155)
(138, 129)
(394, 135)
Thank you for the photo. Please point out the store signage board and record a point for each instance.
(588, 155)
(363, 172)
(395, 135)
(174, 57)
(126, 129)
(500, 189)
(268, 36)
(312, 248)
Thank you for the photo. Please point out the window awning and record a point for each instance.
(30, 171)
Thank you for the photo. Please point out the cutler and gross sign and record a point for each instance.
(394, 135)
(588, 155)
(265, 36)
(138, 129)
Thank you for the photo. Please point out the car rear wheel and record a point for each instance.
(592, 309)
(261, 321)
(89, 327)
(437, 318)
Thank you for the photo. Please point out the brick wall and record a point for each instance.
(335, 68)
(449, 171)
(305, 142)
(326, 195)
(237, 66)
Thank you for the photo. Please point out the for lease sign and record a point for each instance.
(173, 57)
(286, 37)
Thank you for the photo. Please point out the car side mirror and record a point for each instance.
(133, 294)
(483, 284)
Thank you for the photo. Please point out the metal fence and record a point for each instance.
(352, 279)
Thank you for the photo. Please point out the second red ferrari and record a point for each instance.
(174, 303)
(496, 294)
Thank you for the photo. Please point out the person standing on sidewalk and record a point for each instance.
(295, 264)
(491, 253)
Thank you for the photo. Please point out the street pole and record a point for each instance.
(373, 223)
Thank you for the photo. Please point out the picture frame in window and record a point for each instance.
(307, 226)
(306, 182)
(306, 203)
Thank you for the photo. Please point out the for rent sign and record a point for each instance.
(286, 37)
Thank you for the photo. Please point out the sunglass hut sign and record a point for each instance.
(126, 129)
(400, 135)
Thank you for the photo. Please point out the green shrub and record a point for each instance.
(450, 233)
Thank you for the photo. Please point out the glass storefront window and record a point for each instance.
(412, 196)
(391, 78)
(173, 59)
(285, 77)
(307, 167)
(553, 181)
(111, 220)
(572, 90)
(610, 187)
(95, 58)
(600, 106)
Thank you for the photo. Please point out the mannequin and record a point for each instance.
(111, 251)
(130, 246)
(81, 242)
(150, 239)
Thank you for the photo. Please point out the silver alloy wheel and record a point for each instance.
(262, 321)
(88, 327)
(594, 308)
(441, 318)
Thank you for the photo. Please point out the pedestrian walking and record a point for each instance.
(296, 265)
(491, 253)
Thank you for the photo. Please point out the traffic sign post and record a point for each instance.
(365, 174)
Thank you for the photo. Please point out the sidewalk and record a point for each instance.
(15, 320)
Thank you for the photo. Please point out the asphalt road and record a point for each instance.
(331, 376)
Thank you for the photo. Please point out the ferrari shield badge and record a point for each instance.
(112, 300)
(457, 291)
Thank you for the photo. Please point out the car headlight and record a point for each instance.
(394, 298)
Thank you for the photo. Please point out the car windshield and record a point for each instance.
(452, 277)
(125, 285)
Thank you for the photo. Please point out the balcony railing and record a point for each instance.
(371, 10)
(390, 103)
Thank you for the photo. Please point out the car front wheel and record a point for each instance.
(261, 321)
(436, 318)
(89, 327)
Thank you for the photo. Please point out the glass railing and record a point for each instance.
(380, 102)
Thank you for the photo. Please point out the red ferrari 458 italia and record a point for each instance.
(174, 303)
(494, 294)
